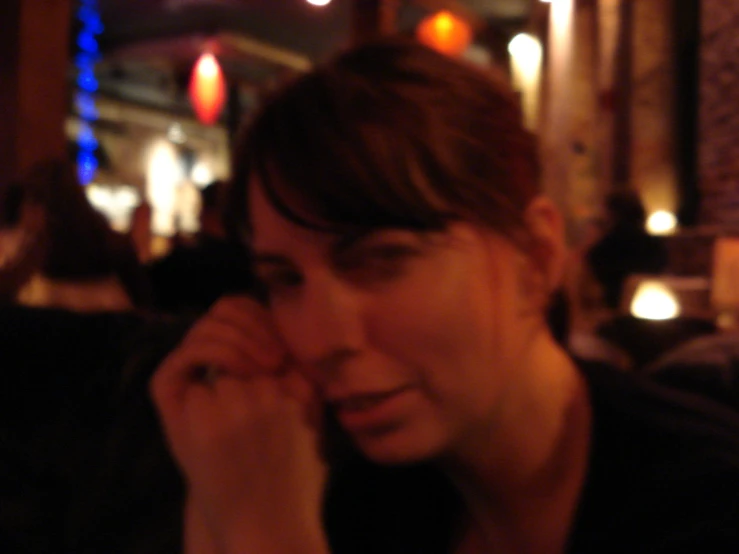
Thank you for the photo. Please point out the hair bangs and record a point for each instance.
(391, 135)
(321, 173)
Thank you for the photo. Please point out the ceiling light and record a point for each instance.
(207, 89)
(445, 32)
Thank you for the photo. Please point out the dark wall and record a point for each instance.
(718, 116)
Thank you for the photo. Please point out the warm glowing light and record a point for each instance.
(176, 133)
(562, 15)
(164, 173)
(201, 174)
(116, 203)
(207, 89)
(187, 207)
(319, 2)
(654, 300)
(525, 47)
(661, 222)
(445, 32)
(526, 56)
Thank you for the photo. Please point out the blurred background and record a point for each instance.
(145, 97)
(617, 90)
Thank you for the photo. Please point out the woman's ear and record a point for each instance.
(548, 250)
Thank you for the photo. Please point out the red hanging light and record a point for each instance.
(207, 89)
(445, 32)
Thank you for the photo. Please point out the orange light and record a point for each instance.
(207, 89)
(445, 32)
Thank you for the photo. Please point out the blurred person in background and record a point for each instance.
(199, 270)
(140, 231)
(21, 239)
(83, 264)
(625, 247)
(75, 298)
(615, 246)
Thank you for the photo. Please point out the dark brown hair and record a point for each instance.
(390, 134)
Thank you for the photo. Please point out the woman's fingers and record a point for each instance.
(246, 326)
(243, 427)
(251, 459)
(296, 386)
(249, 314)
(236, 337)
(241, 342)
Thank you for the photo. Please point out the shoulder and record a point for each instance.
(707, 364)
(642, 417)
(611, 388)
(664, 469)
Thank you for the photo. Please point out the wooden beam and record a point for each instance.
(34, 90)
(265, 51)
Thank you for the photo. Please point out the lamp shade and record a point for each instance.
(207, 89)
(445, 32)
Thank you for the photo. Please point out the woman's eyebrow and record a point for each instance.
(346, 241)
(269, 258)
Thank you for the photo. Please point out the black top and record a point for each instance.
(663, 478)
(664, 471)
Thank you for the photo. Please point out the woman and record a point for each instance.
(391, 199)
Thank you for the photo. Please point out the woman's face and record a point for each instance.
(415, 340)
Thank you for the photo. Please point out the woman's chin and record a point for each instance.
(395, 450)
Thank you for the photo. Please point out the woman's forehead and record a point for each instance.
(270, 228)
(267, 222)
(344, 210)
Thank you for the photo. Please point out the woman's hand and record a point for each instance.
(242, 424)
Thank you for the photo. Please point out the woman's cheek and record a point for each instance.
(425, 320)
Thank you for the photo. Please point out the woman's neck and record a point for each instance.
(522, 483)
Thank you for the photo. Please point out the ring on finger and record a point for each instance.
(209, 374)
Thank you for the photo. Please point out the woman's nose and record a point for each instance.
(325, 328)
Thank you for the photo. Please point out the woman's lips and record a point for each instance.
(367, 411)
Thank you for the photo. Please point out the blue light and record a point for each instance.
(96, 26)
(85, 59)
(91, 21)
(86, 106)
(87, 159)
(87, 165)
(87, 42)
(90, 18)
(86, 81)
(86, 13)
(86, 138)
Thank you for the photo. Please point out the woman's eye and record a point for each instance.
(280, 281)
(389, 252)
(378, 261)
